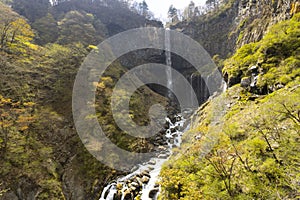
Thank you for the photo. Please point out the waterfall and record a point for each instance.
(142, 182)
(192, 102)
(168, 62)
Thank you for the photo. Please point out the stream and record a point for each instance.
(142, 182)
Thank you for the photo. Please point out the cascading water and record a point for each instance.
(143, 181)
(168, 62)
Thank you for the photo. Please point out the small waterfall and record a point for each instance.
(142, 182)
(168, 62)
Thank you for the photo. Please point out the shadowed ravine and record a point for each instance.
(142, 182)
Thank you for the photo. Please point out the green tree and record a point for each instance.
(78, 27)
(31, 9)
(172, 14)
(47, 29)
(144, 9)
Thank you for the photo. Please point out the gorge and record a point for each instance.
(241, 142)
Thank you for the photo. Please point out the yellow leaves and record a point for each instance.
(104, 83)
(29, 104)
(16, 35)
(31, 46)
(93, 47)
(21, 30)
(25, 119)
(100, 85)
(4, 101)
(15, 115)
(107, 81)
(23, 128)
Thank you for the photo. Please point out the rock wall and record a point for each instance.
(236, 23)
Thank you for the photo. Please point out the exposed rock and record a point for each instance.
(163, 156)
(152, 162)
(241, 23)
(153, 192)
(245, 82)
(145, 179)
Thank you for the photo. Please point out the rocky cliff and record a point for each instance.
(235, 23)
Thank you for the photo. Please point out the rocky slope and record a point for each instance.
(222, 31)
(244, 144)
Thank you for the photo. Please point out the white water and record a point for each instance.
(155, 164)
(168, 62)
(224, 85)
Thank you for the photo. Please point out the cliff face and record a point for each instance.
(255, 17)
(236, 23)
(243, 144)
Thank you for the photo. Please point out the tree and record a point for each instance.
(31, 9)
(14, 116)
(172, 14)
(78, 27)
(189, 11)
(212, 4)
(143, 8)
(47, 29)
(14, 32)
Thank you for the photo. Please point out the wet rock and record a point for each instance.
(119, 186)
(134, 184)
(167, 126)
(153, 193)
(171, 140)
(145, 179)
(145, 173)
(152, 162)
(128, 195)
(139, 181)
(162, 148)
(163, 156)
(173, 130)
(132, 189)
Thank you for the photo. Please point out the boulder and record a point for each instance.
(153, 192)
(163, 156)
(152, 162)
(145, 179)
(245, 82)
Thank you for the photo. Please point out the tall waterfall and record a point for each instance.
(168, 62)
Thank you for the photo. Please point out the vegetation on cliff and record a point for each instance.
(244, 144)
(41, 154)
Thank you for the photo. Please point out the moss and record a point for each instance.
(258, 171)
(276, 55)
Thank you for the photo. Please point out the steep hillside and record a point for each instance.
(244, 144)
(41, 154)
